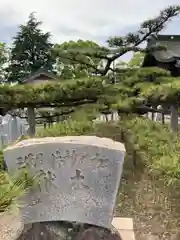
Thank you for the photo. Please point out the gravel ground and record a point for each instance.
(155, 213)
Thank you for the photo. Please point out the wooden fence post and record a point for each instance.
(31, 121)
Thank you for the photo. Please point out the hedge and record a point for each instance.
(90, 90)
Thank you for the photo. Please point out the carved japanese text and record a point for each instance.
(47, 182)
(30, 160)
(77, 180)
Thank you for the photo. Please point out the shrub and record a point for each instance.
(70, 127)
(155, 145)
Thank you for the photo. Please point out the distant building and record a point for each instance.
(40, 77)
(168, 58)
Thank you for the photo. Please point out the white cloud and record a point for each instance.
(74, 19)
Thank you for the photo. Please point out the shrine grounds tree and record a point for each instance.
(4, 58)
(31, 51)
(118, 46)
(136, 60)
(72, 65)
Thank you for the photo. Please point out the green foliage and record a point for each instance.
(70, 93)
(155, 145)
(167, 92)
(127, 95)
(10, 191)
(136, 60)
(4, 57)
(14, 187)
(30, 52)
(71, 127)
(72, 61)
(132, 87)
(82, 127)
(1, 161)
(88, 112)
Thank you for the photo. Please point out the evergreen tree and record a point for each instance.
(76, 64)
(31, 51)
(4, 58)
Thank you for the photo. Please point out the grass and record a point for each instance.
(13, 187)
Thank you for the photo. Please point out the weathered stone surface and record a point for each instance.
(79, 178)
(64, 231)
(93, 233)
(46, 231)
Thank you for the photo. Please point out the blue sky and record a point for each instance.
(95, 20)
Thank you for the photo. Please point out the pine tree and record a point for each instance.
(30, 52)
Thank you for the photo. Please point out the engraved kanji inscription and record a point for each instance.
(99, 161)
(30, 160)
(78, 158)
(34, 202)
(46, 180)
(21, 162)
(74, 158)
(39, 158)
(77, 180)
(58, 160)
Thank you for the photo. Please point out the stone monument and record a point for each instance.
(78, 176)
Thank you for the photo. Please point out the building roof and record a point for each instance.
(38, 74)
(170, 42)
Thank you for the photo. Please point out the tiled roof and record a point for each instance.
(172, 44)
(37, 74)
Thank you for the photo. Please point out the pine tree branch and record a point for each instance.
(147, 28)
(131, 41)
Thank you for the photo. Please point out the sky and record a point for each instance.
(95, 20)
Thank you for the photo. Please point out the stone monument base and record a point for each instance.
(122, 229)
